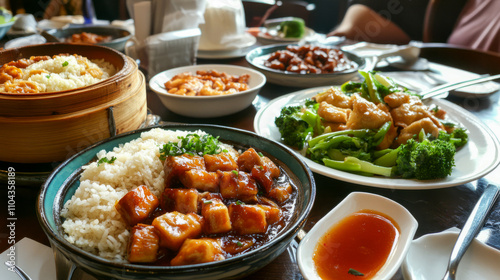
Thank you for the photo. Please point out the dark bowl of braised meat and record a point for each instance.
(176, 202)
(305, 66)
(109, 36)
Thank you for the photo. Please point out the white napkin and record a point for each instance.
(36, 259)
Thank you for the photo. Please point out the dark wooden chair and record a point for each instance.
(256, 12)
(440, 18)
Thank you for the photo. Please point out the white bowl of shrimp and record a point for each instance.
(207, 91)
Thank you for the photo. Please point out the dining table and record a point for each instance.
(435, 210)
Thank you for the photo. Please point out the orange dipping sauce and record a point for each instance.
(361, 242)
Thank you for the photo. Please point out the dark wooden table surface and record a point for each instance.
(435, 210)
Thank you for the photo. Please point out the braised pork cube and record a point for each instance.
(215, 215)
(234, 246)
(136, 205)
(195, 251)
(281, 193)
(180, 200)
(222, 162)
(201, 180)
(174, 228)
(247, 219)
(273, 211)
(263, 176)
(250, 158)
(174, 166)
(237, 184)
(143, 245)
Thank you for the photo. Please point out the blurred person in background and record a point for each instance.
(467, 23)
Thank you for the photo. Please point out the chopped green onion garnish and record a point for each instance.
(239, 244)
(239, 203)
(355, 272)
(65, 64)
(260, 154)
(235, 172)
(106, 160)
(207, 201)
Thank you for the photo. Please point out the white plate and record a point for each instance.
(355, 202)
(476, 159)
(428, 258)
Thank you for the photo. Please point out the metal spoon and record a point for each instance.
(471, 228)
(18, 271)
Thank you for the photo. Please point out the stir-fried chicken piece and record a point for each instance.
(389, 137)
(331, 113)
(365, 114)
(335, 97)
(215, 215)
(144, 244)
(414, 129)
(247, 219)
(200, 179)
(201, 250)
(409, 113)
(136, 205)
(180, 200)
(334, 126)
(175, 166)
(238, 185)
(397, 99)
(174, 228)
(222, 161)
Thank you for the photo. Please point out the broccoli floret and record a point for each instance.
(425, 160)
(457, 137)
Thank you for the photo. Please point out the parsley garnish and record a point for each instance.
(65, 64)
(192, 144)
(106, 160)
(355, 272)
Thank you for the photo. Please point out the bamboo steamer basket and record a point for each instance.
(51, 127)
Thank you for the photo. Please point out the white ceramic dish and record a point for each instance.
(234, 50)
(208, 106)
(428, 258)
(257, 56)
(479, 157)
(354, 202)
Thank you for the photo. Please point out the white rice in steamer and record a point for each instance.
(91, 220)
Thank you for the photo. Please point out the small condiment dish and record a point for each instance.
(208, 106)
(355, 202)
(428, 257)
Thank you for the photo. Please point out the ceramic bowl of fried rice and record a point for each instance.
(136, 153)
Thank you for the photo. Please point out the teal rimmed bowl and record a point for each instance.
(63, 182)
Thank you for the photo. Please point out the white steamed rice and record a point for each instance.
(91, 220)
